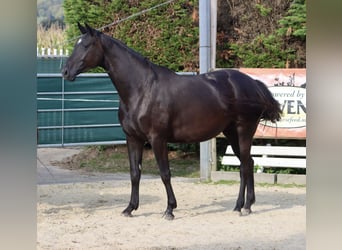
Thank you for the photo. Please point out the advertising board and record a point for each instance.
(288, 86)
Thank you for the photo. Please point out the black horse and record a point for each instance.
(159, 106)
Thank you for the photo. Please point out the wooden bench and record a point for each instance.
(271, 156)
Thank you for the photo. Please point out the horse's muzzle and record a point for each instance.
(66, 74)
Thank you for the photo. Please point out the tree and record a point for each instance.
(294, 23)
(49, 12)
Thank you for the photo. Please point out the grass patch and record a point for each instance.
(114, 159)
(225, 182)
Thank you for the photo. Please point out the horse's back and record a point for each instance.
(241, 83)
(221, 89)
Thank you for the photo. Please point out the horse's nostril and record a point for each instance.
(65, 72)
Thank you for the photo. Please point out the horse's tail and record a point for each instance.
(272, 111)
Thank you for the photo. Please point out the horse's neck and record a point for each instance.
(127, 70)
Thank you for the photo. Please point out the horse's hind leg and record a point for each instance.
(241, 137)
(233, 139)
(135, 151)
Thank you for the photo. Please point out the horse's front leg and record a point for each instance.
(135, 150)
(161, 154)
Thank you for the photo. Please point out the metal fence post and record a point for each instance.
(207, 148)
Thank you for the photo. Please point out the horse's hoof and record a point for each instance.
(168, 216)
(127, 213)
(246, 211)
(237, 212)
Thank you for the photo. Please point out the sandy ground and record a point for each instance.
(87, 215)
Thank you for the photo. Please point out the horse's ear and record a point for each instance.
(90, 30)
(82, 29)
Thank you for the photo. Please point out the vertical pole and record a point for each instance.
(207, 32)
(63, 114)
(204, 33)
(204, 60)
(213, 31)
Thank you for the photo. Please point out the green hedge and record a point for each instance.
(167, 35)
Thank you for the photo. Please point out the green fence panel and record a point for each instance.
(83, 112)
(50, 65)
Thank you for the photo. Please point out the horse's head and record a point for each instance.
(87, 53)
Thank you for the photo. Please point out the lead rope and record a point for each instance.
(135, 14)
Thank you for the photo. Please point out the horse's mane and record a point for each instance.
(123, 46)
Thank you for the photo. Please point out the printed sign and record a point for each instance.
(288, 87)
(293, 105)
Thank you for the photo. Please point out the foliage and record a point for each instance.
(267, 35)
(294, 24)
(263, 52)
(49, 12)
(167, 36)
(264, 11)
(250, 34)
(188, 148)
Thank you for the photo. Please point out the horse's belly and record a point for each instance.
(197, 129)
